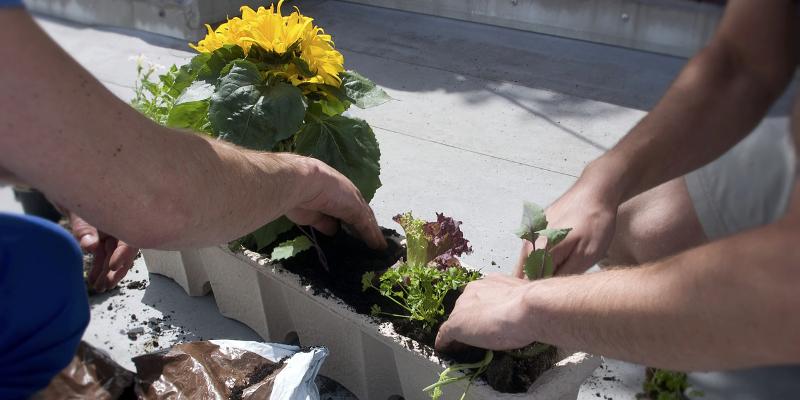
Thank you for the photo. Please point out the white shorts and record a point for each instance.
(750, 185)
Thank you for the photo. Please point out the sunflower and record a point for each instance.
(268, 29)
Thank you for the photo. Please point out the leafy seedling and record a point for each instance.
(467, 371)
(661, 384)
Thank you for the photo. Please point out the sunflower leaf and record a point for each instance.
(346, 144)
(246, 112)
(361, 91)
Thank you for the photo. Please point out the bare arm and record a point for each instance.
(729, 304)
(718, 98)
(62, 132)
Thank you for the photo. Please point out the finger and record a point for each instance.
(114, 277)
(445, 340)
(101, 284)
(100, 257)
(574, 264)
(563, 252)
(368, 229)
(319, 221)
(519, 269)
(85, 233)
(122, 256)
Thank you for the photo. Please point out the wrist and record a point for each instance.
(292, 178)
(608, 178)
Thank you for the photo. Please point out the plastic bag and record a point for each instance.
(229, 369)
(214, 369)
(91, 374)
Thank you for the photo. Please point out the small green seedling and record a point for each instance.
(539, 263)
(661, 384)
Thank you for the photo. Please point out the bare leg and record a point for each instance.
(655, 224)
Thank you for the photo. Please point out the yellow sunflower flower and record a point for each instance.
(270, 30)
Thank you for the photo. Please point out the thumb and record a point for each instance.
(84, 232)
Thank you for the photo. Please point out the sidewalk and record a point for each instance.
(483, 118)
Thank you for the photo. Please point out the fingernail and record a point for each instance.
(88, 240)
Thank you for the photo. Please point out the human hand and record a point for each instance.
(113, 258)
(490, 314)
(592, 214)
(329, 197)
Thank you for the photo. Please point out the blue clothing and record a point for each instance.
(44, 308)
(10, 3)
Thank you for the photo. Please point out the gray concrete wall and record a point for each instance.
(674, 27)
(182, 19)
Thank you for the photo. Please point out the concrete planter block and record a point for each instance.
(182, 268)
(370, 359)
(235, 284)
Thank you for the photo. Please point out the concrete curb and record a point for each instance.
(371, 360)
(183, 19)
(673, 27)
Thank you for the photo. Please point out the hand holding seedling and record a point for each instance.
(591, 212)
(488, 315)
(113, 258)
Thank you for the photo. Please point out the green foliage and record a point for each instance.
(291, 248)
(440, 242)
(416, 242)
(361, 91)
(533, 220)
(346, 144)
(419, 290)
(467, 371)
(539, 263)
(662, 384)
(251, 112)
(229, 95)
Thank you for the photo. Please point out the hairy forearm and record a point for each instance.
(69, 137)
(729, 304)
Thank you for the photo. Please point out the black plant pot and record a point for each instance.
(34, 203)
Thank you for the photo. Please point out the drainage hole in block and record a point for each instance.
(292, 338)
(207, 288)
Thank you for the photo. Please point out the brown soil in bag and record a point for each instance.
(91, 374)
(201, 370)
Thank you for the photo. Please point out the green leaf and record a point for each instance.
(246, 112)
(375, 310)
(290, 248)
(361, 91)
(554, 235)
(346, 144)
(267, 234)
(539, 264)
(366, 280)
(533, 220)
(192, 115)
(208, 66)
